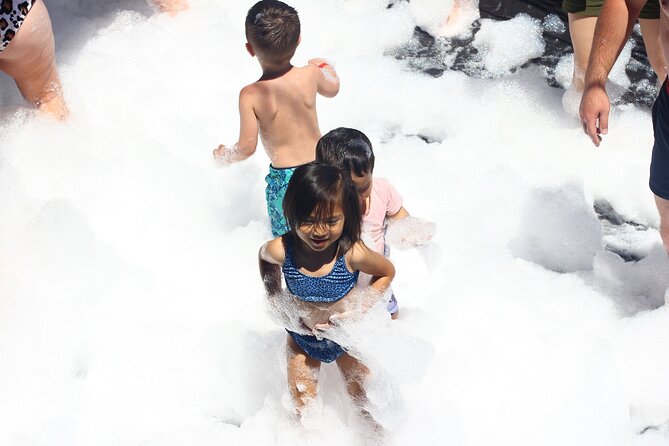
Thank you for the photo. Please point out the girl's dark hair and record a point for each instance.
(347, 149)
(317, 189)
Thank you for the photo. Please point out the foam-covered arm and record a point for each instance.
(409, 232)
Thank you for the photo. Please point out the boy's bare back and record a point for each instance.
(285, 109)
(281, 105)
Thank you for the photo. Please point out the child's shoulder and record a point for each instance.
(357, 252)
(274, 250)
(251, 89)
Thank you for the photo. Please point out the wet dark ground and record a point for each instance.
(434, 55)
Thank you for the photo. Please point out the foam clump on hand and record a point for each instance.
(409, 232)
(225, 156)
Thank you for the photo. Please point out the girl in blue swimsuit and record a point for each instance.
(320, 259)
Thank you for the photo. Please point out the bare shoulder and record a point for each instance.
(357, 253)
(250, 92)
(273, 251)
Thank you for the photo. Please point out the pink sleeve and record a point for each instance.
(390, 196)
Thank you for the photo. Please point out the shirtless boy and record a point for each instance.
(613, 29)
(281, 104)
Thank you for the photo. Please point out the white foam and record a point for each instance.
(508, 44)
(131, 311)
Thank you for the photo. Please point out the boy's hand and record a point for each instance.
(328, 84)
(318, 62)
(223, 155)
(409, 232)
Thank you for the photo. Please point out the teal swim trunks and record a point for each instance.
(277, 182)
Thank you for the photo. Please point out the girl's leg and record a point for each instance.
(302, 375)
(30, 60)
(650, 30)
(355, 373)
(581, 30)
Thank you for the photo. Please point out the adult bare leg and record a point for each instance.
(30, 59)
(581, 30)
(650, 31)
(663, 209)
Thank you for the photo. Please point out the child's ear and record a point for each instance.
(249, 48)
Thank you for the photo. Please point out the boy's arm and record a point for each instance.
(405, 231)
(402, 213)
(248, 132)
(328, 81)
(270, 259)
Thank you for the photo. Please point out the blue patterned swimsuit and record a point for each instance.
(331, 287)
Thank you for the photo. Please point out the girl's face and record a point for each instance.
(319, 235)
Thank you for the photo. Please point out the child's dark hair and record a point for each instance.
(273, 29)
(347, 149)
(314, 191)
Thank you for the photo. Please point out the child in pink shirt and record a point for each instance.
(381, 205)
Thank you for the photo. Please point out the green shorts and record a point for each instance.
(591, 8)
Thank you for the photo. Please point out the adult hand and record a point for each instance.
(595, 107)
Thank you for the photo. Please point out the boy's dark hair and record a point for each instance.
(317, 189)
(273, 29)
(347, 149)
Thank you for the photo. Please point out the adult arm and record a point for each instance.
(614, 27)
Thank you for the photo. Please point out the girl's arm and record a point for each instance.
(369, 262)
(270, 259)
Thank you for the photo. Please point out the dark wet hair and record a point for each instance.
(319, 188)
(347, 149)
(273, 29)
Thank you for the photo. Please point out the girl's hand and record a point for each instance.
(319, 328)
